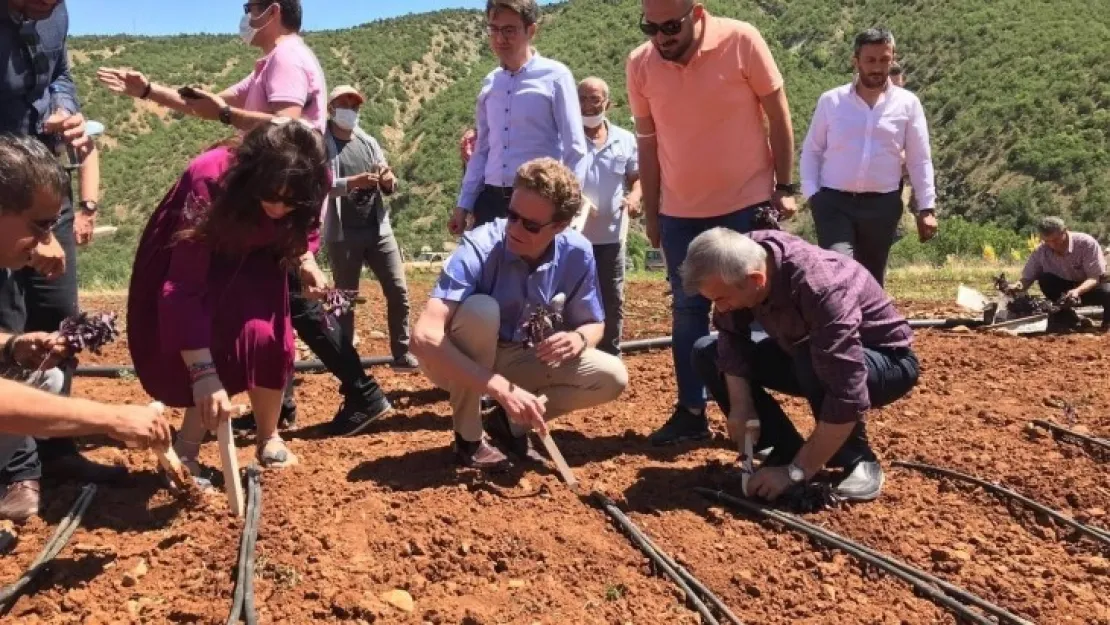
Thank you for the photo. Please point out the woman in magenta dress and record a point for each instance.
(208, 306)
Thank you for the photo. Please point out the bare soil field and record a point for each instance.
(387, 510)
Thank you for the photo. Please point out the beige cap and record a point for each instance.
(345, 90)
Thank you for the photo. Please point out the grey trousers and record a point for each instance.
(610, 281)
(862, 227)
(383, 257)
(51, 381)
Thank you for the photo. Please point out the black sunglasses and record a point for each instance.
(43, 227)
(668, 28)
(250, 5)
(531, 226)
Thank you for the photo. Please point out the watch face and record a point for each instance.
(796, 473)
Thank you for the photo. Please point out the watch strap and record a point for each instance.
(791, 188)
(225, 114)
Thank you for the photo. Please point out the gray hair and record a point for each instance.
(595, 80)
(1051, 225)
(720, 252)
(26, 165)
(873, 36)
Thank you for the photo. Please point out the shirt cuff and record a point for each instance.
(839, 411)
(467, 200)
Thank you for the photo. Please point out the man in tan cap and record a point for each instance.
(356, 224)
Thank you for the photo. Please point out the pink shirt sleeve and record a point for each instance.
(757, 62)
(238, 91)
(286, 78)
(186, 321)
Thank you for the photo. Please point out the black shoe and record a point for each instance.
(862, 482)
(499, 429)
(247, 425)
(355, 415)
(683, 425)
(479, 455)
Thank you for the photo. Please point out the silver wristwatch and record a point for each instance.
(796, 473)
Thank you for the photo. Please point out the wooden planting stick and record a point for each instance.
(170, 463)
(233, 485)
(556, 455)
(751, 427)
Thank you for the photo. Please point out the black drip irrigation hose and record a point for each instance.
(630, 347)
(684, 580)
(1096, 533)
(242, 599)
(1059, 430)
(54, 546)
(935, 589)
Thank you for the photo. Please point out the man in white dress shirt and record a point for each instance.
(853, 155)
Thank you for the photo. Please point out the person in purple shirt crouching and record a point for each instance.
(208, 305)
(833, 336)
(474, 336)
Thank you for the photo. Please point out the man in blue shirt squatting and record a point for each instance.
(471, 338)
(527, 108)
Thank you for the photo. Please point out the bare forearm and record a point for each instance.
(196, 356)
(782, 148)
(90, 177)
(740, 398)
(1087, 285)
(592, 332)
(248, 120)
(650, 177)
(826, 440)
(31, 412)
(167, 97)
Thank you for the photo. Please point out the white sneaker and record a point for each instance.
(863, 483)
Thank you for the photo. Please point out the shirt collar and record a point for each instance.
(525, 67)
(778, 278)
(546, 260)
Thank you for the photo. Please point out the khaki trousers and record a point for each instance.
(592, 379)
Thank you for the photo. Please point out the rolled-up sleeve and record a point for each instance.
(837, 352)
(734, 344)
(583, 305)
(459, 278)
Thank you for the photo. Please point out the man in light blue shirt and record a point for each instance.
(527, 108)
(477, 334)
(612, 168)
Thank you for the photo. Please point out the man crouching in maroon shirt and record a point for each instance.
(832, 336)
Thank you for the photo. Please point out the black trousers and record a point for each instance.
(325, 337)
(1053, 287)
(492, 203)
(891, 373)
(31, 303)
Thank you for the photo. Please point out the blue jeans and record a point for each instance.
(690, 313)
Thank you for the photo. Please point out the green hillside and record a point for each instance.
(1017, 93)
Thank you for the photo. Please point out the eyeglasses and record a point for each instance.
(669, 27)
(508, 32)
(43, 227)
(593, 101)
(250, 5)
(531, 226)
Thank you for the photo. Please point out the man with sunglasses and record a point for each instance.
(527, 108)
(33, 189)
(700, 90)
(476, 335)
(38, 98)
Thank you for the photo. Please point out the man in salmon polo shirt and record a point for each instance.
(716, 143)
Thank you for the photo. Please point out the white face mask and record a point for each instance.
(593, 121)
(247, 32)
(346, 119)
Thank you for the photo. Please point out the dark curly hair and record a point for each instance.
(282, 160)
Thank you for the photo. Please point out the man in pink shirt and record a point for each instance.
(286, 82)
(715, 143)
